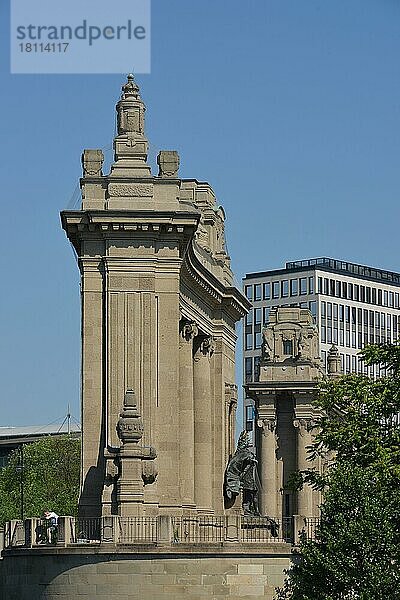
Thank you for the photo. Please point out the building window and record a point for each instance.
(294, 288)
(249, 317)
(275, 289)
(266, 310)
(249, 418)
(331, 287)
(350, 291)
(396, 300)
(373, 296)
(344, 289)
(267, 291)
(248, 290)
(385, 298)
(249, 342)
(257, 343)
(257, 316)
(303, 285)
(326, 286)
(311, 285)
(285, 288)
(313, 308)
(257, 368)
(319, 285)
(338, 289)
(288, 347)
(391, 299)
(362, 293)
(257, 292)
(248, 374)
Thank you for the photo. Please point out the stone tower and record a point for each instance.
(289, 375)
(158, 331)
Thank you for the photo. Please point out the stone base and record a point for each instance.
(145, 573)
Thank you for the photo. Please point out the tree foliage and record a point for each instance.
(50, 478)
(356, 552)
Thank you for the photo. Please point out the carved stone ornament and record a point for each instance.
(92, 163)
(168, 163)
(207, 345)
(130, 424)
(149, 471)
(304, 425)
(189, 330)
(135, 190)
(267, 425)
(267, 346)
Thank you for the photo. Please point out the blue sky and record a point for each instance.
(289, 108)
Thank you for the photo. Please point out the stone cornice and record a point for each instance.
(103, 224)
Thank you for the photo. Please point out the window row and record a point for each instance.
(355, 327)
(280, 289)
(252, 369)
(257, 316)
(357, 292)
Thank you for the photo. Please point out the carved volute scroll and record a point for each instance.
(188, 330)
(304, 425)
(204, 346)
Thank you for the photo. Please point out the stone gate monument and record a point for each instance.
(158, 331)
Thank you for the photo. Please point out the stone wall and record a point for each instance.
(88, 573)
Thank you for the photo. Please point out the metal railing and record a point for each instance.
(163, 529)
(266, 529)
(198, 529)
(134, 530)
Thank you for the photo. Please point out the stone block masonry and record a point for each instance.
(88, 573)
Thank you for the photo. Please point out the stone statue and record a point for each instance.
(240, 476)
(267, 346)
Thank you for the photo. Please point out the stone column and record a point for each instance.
(269, 492)
(304, 439)
(203, 467)
(188, 331)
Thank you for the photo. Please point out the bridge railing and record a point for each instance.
(158, 530)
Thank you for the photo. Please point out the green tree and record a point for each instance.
(50, 477)
(356, 552)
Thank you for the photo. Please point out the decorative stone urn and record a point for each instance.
(130, 424)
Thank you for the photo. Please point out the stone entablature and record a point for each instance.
(151, 251)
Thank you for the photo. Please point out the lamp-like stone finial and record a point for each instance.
(130, 89)
(334, 362)
(130, 424)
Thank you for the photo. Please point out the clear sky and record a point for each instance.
(289, 108)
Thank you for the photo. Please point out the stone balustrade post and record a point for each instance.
(233, 529)
(298, 527)
(165, 532)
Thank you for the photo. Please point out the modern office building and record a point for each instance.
(353, 305)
